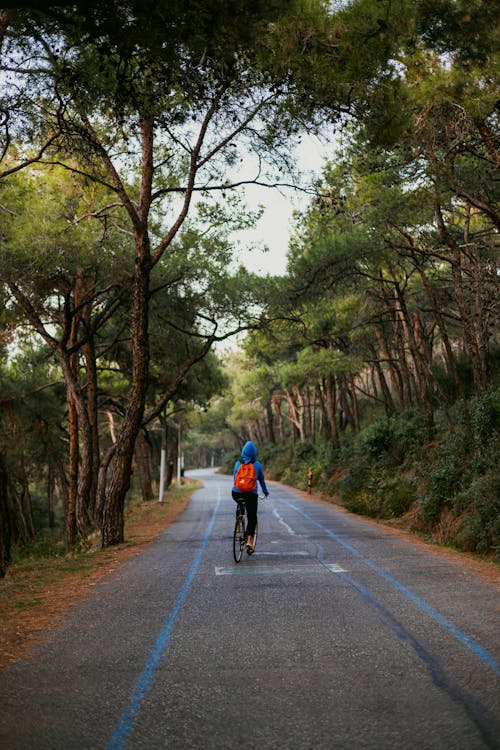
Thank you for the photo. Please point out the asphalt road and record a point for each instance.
(336, 633)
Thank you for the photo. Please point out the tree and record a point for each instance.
(156, 119)
(168, 114)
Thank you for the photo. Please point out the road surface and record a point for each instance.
(337, 633)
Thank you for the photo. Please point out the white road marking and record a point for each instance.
(333, 568)
(280, 519)
(283, 554)
(276, 569)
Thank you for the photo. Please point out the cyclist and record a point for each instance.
(248, 456)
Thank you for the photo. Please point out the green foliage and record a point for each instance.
(485, 418)
(393, 438)
(47, 545)
(466, 452)
(479, 508)
(298, 466)
(389, 469)
(412, 85)
(372, 487)
(442, 482)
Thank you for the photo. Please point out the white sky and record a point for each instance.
(276, 225)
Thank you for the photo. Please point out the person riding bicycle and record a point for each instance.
(250, 497)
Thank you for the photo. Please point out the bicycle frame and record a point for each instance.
(240, 530)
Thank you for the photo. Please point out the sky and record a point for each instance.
(276, 225)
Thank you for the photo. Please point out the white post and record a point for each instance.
(163, 460)
(179, 458)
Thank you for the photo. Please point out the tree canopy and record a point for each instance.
(123, 127)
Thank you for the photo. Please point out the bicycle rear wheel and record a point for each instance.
(239, 538)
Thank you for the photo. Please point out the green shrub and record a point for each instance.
(410, 433)
(375, 490)
(364, 504)
(442, 482)
(485, 417)
(227, 464)
(356, 477)
(45, 546)
(480, 506)
(397, 494)
(394, 438)
(377, 438)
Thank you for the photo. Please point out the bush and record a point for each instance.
(389, 467)
(485, 417)
(480, 506)
(374, 490)
(46, 545)
(397, 494)
(377, 438)
(410, 433)
(355, 479)
(394, 438)
(442, 482)
(227, 464)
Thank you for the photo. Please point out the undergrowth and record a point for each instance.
(449, 488)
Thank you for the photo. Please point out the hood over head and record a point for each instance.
(249, 452)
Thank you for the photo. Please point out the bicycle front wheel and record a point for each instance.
(239, 538)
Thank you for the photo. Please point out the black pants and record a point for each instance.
(251, 502)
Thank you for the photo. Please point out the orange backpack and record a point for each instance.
(246, 478)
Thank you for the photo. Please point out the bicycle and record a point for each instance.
(240, 532)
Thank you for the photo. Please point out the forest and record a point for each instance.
(371, 365)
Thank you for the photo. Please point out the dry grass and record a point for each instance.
(36, 594)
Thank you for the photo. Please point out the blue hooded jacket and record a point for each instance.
(248, 454)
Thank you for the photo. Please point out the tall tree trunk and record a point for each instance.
(270, 423)
(258, 432)
(344, 399)
(299, 414)
(120, 465)
(407, 379)
(308, 422)
(438, 317)
(71, 532)
(28, 504)
(330, 392)
(91, 398)
(276, 402)
(422, 369)
(24, 531)
(51, 483)
(313, 407)
(461, 297)
(481, 316)
(390, 407)
(143, 467)
(87, 474)
(354, 403)
(5, 522)
(394, 372)
(80, 458)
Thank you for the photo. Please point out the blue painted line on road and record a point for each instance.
(462, 637)
(126, 722)
(439, 675)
